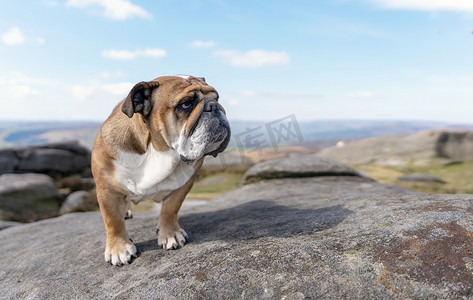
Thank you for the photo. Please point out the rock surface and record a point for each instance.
(333, 237)
(420, 148)
(296, 166)
(56, 158)
(7, 224)
(28, 197)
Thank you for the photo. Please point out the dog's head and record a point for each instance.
(183, 112)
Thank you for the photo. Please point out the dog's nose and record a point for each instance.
(210, 105)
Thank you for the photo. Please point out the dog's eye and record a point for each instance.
(186, 104)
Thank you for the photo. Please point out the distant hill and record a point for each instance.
(315, 134)
(31, 133)
(428, 147)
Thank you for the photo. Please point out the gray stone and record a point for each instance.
(420, 177)
(330, 237)
(296, 166)
(7, 224)
(79, 201)
(62, 158)
(8, 161)
(28, 197)
(455, 145)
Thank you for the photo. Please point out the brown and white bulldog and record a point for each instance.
(150, 149)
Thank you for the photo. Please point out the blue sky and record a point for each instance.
(319, 60)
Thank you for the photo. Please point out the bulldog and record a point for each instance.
(150, 148)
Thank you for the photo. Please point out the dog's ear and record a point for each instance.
(139, 99)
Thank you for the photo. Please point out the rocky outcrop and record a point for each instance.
(330, 237)
(457, 146)
(422, 148)
(56, 158)
(28, 197)
(295, 167)
(79, 201)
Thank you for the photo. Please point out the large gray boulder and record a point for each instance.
(28, 197)
(55, 158)
(335, 237)
(296, 166)
(79, 201)
(8, 161)
(455, 145)
(421, 148)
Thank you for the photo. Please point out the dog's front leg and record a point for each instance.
(119, 249)
(170, 234)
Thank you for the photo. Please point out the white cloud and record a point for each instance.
(119, 54)
(31, 98)
(361, 95)
(203, 44)
(427, 5)
(233, 102)
(156, 53)
(248, 93)
(278, 94)
(118, 89)
(18, 85)
(113, 9)
(21, 91)
(40, 41)
(84, 91)
(51, 3)
(13, 89)
(253, 58)
(81, 91)
(13, 37)
(18, 77)
(111, 75)
(129, 55)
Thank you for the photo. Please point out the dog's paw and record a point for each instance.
(128, 214)
(120, 253)
(172, 239)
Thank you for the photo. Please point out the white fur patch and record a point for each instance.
(152, 175)
(186, 77)
(190, 147)
(193, 147)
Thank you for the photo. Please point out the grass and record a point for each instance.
(458, 177)
(215, 182)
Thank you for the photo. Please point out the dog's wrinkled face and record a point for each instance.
(185, 112)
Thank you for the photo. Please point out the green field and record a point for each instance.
(212, 182)
(458, 177)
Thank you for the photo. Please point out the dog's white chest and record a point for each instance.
(152, 175)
